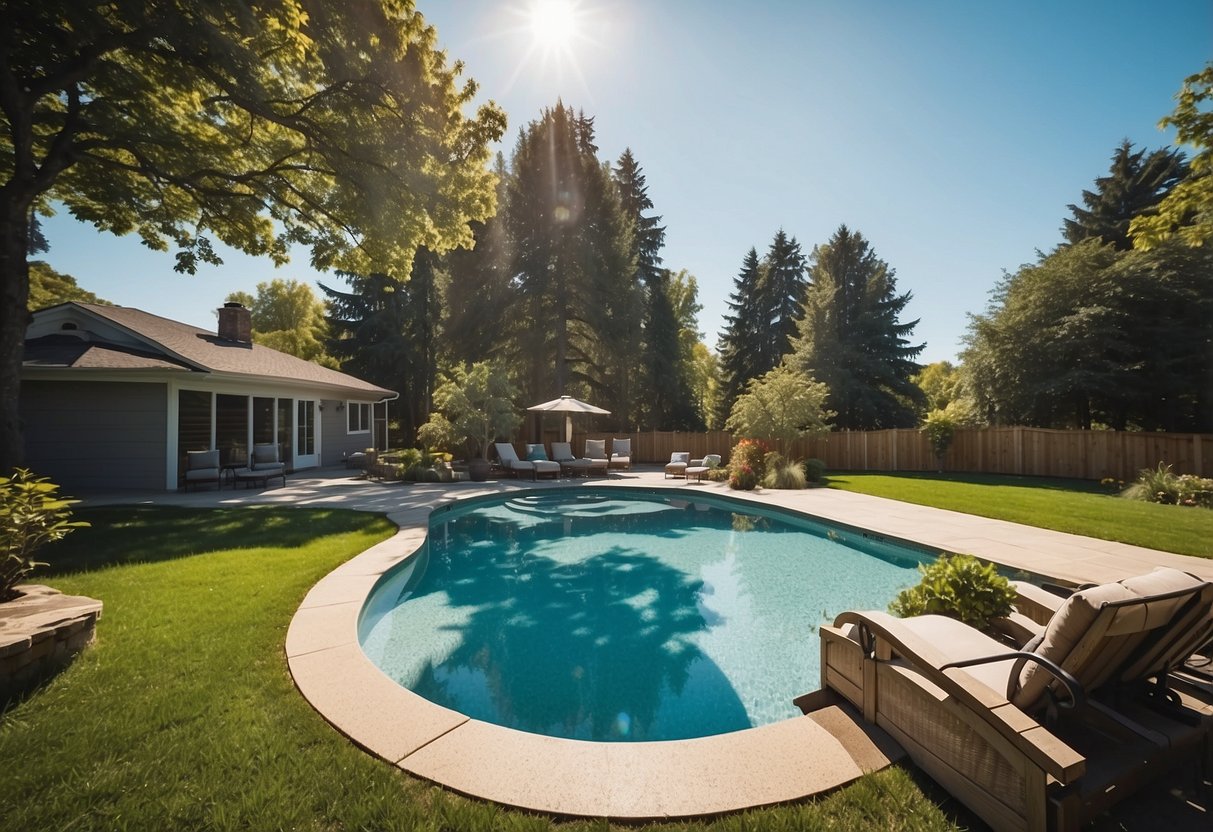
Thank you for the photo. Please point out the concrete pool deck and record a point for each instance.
(784, 761)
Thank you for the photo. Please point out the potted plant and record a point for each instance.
(474, 407)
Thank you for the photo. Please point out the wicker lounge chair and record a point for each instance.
(621, 454)
(595, 452)
(1046, 736)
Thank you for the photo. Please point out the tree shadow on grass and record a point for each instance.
(149, 534)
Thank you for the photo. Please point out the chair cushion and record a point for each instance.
(265, 453)
(202, 474)
(680, 456)
(506, 453)
(536, 453)
(621, 447)
(264, 468)
(595, 448)
(198, 460)
(545, 466)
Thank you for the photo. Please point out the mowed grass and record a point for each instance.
(183, 715)
(1076, 506)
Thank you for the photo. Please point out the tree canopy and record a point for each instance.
(782, 404)
(851, 337)
(334, 125)
(1187, 211)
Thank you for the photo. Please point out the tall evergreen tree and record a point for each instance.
(739, 361)
(1135, 184)
(644, 340)
(384, 331)
(850, 336)
(477, 285)
(573, 268)
(782, 299)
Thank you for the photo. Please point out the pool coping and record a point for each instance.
(785, 761)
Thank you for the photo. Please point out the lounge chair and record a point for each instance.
(537, 455)
(562, 452)
(698, 467)
(263, 467)
(510, 461)
(201, 467)
(677, 466)
(1045, 736)
(621, 454)
(595, 452)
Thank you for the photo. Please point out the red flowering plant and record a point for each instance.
(746, 464)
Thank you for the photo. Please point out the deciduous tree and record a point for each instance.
(336, 125)
(288, 317)
(783, 404)
(1187, 211)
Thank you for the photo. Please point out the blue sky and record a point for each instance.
(951, 134)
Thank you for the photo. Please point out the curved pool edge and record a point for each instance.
(777, 763)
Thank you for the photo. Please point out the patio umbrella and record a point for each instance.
(568, 406)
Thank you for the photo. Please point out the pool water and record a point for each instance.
(601, 615)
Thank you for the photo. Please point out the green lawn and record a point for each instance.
(1077, 506)
(183, 716)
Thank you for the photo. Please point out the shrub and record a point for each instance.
(742, 477)
(939, 426)
(1160, 485)
(960, 587)
(782, 473)
(814, 470)
(31, 514)
(748, 453)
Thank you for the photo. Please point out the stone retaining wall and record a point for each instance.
(40, 633)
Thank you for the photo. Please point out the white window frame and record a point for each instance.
(362, 408)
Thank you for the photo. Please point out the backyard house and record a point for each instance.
(113, 398)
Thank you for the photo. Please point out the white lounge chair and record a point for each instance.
(621, 454)
(677, 466)
(562, 452)
(595, 452)
(537, 455)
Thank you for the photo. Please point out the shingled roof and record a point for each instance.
(174, 345)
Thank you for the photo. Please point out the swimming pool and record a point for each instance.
(602, 615)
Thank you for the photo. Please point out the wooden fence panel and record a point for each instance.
(996, 450)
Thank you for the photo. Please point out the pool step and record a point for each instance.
(869, 746)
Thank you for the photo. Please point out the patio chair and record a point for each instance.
(201, 467)
(621, 454)
(677, 466)
(562, 452)
(699, 467)
(1039, 737)
(263, 467)
(595, 452)
(537, 455)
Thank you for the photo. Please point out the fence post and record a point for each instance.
(1017, 434)
(1197, 464)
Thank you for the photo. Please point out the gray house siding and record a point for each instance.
(96, 435)
(336, 442)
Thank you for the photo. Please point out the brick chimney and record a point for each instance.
(236, 323)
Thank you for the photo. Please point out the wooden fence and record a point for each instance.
(1090, 455)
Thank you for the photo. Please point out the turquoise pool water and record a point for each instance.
(622, 616)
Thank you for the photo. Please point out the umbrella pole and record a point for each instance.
(568, 428)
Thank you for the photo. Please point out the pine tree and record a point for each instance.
(1135, 184)
(782, 299)
(384, 331)
(573, 268)
(850, 337)
(739, 361)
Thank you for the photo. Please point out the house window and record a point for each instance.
(358, 417)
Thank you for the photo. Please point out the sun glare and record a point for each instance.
(553, 23)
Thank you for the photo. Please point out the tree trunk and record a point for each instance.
(14, 318)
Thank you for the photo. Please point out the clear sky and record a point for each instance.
(951, 134)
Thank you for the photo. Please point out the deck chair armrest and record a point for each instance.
(1074, 689)
(880, 631)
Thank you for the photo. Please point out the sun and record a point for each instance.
(553, 23)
